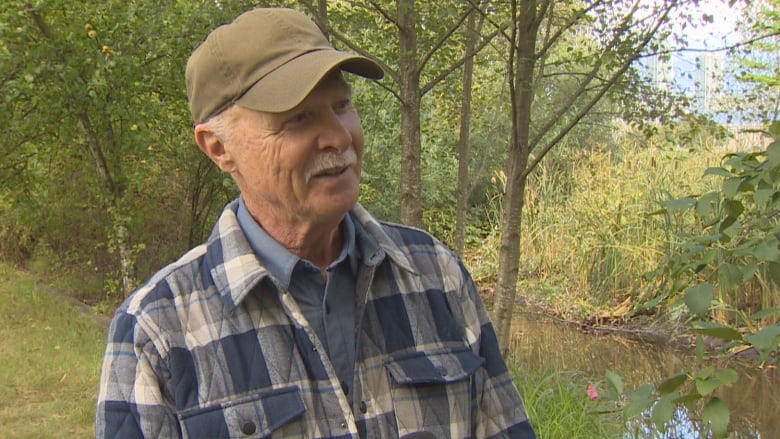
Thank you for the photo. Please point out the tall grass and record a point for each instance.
(49, 362)
(588, 234)
(559, 408)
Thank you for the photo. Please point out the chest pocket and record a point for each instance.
(433, 392)
(254, 416)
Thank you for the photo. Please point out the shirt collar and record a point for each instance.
(236, 269)
(279, 261)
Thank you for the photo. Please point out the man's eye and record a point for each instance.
(344, 105)
(298, 118)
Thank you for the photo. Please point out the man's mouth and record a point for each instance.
(332, 165)
(332, 171)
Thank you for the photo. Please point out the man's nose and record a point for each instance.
(334, 131)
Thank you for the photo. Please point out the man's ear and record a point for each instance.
(214, 148)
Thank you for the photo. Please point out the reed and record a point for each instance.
(588, 237)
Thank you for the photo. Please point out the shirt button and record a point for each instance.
(248, 428)
(343, 424)
(363, 407)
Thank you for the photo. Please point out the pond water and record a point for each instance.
(543, 344)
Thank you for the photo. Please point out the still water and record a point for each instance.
(545, 345)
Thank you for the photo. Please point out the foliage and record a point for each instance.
(736, 249)
(753, 71)
(98, 143)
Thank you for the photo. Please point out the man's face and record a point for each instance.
(301, 166)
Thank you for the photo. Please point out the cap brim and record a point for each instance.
(288, 85)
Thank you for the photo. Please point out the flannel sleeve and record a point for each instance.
(131, 401)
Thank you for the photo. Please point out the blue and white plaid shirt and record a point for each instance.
(211, 347)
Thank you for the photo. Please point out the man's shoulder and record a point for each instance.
(388, 232)
(407, 235)
(180, 275)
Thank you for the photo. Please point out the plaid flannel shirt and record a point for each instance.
(210, 347)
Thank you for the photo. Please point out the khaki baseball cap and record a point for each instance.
(267, 59)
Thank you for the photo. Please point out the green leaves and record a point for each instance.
(698, 298)
(734, 253)
(716, 414)
(708, 379)
(716, 330)
(661, 401)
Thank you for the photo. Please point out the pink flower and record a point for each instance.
(592, 392)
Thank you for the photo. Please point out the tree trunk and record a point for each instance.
(464, 144)
(524, 41)
(410, 95)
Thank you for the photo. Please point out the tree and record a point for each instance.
(422, 51)
(759, 62)
(473, 28)
(89, 88)
(591, 45)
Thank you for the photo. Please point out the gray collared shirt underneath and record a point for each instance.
(328, 306)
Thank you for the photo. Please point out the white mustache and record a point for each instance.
(331, 161)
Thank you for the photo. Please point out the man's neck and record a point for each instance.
(318, 243)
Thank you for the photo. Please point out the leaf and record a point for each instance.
(717, 330)
(721, 172)
(615, 381)
(706, 386)
(707, 205)
(673, 383)
(768, 250)
(717, 414)
(698, 298)
(763, 196)
(730, 276)
(727, 376)
(733, 208)
(663, 410)
(774, 128)
(766, 312)
(773, 269)
(640, 400)
(765, 339)
(677, 204)
(708, 382)
(705, 372)
(773, 152)
(731, 187)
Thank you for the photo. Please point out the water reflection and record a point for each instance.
(542, 344)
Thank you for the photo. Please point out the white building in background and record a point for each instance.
(697, 75)
(661, 72)
(709, 82)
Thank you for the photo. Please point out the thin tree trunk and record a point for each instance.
(409, 81)
(524, 41)
(464, 144)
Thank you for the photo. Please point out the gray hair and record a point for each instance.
(221, 124)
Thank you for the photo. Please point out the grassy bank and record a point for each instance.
(50, 359)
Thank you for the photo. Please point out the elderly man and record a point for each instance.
(302, 315)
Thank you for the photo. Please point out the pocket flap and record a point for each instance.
(434, 367)
(253, 416)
